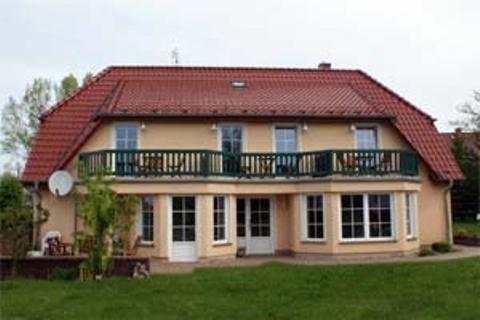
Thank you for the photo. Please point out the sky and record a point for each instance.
(427, 51)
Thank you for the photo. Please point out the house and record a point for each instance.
(316, 162)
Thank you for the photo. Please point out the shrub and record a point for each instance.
(461, 233)
(64, 274)
(442, 247)
(425, 252)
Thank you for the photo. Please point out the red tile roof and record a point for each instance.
(206, 91)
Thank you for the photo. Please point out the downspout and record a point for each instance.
(448, 211)
(37, 202)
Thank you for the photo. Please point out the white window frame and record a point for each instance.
(140, 219)
(125, 124)
(368, 126)
(231, 124)
(286, 125)
(366, 218)
(410, 216)
(304, 217)
(226, 212)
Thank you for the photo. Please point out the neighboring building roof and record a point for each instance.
(208, 92)
(470, 140)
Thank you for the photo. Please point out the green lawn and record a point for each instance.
(429, 290)
(471, 228)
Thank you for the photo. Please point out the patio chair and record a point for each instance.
(175, 168)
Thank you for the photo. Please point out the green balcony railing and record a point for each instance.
(156, 163)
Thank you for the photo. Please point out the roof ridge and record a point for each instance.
(233, 68)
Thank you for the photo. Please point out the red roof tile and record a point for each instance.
(198, 91)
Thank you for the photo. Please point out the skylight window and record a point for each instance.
(238, 84)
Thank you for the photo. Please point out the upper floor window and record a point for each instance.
(286, 139)
(231, 138)
(366, 138)
(126, 136)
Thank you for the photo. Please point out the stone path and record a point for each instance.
(162, 267)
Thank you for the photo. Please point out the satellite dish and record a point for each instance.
(60, 183)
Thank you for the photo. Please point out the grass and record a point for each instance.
(471, 228)
(428, 290)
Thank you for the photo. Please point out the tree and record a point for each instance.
(87, 78)
(105, 213)
(470, 112)
(20, 119)
(67, 86)
(16, 219)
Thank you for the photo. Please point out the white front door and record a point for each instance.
(255, 216)
(183, 215)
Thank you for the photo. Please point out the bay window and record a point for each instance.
(410, 214)
(220, 219)
(314, 218)
(367, 216)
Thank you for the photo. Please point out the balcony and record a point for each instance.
(209, 163)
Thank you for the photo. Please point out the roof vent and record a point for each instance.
(238, 84)
(325, 66)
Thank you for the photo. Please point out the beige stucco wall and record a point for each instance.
(259, 137)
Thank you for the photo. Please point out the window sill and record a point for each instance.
(146, 245)
(367, 241)
(314, 241)
(221, 244)
(412, 238)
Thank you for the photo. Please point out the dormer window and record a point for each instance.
(238, 84)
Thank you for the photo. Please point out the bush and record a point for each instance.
(442, 247)
(64, 274)
(425, 252)
(461, 233)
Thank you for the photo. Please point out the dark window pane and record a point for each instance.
(240, 231)
(319, 231)
(319, 203)
(237, 132)
(346, 201)
(385, 215)
(177, 218)
(358, 231)
(374, 230)
(385, 201)
(190, 203)
(358, 201)
(346, 216)
(255, 219)
(177, 234)
(240, 218)
(386, 230)
(358, 215)
(177, 203)
(240, 204)
(265, 218)
(255, 231)
(310, 202)
(265, 231)
(311, 217)
(346, 232)
(189, 218)
(374, 215)
(189, 233)
(311, 231)
(373, 201)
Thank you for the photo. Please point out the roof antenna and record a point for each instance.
(175, 55)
